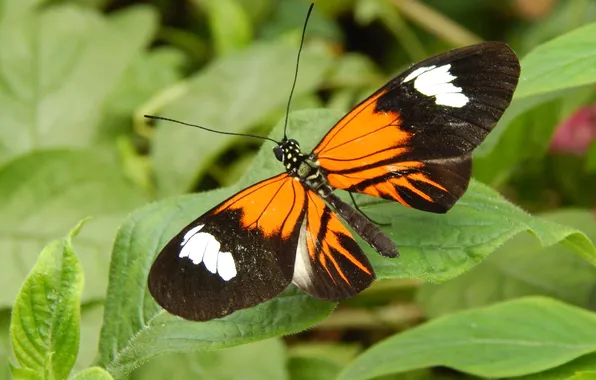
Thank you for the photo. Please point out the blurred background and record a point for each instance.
(78, 75)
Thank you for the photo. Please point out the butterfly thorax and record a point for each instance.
(303, 167)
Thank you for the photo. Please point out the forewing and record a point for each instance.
(237, 255)
(412, 140)
(329, 263)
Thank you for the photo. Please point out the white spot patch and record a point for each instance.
(226, 266)
(190, 233)
(436, 81)
(203, 247)
(417, 72)
(211, 253)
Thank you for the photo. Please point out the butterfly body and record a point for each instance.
(303, 167)
(410, 142)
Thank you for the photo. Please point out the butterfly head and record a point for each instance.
(288, 152)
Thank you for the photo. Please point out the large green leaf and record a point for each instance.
(439, 247)
(246, 362)
(566, 371)
(42, 194)
(509, 339)
(435, 247)
(233, 94)
(57, 66)
(45, 319)
(563, 62)
(520, 268)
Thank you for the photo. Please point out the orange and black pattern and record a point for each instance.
(399, 144)
(410, 142)
(329, 263)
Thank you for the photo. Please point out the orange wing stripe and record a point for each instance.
(272, 206)
(336, 226)
(403, 182)
(363, 136)
(321, 242)
(423, 178)
(336, 265)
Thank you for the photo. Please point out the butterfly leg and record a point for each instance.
(363, 227)
(366, 216)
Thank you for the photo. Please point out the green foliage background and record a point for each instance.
(473, 295)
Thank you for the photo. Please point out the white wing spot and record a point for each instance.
(190, 233)
(436, 81)
(226, 266)
(417, 72)
(204, 247)
(211, 253)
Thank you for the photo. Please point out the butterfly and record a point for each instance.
(411, 142)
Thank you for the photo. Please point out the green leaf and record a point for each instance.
(233, 94)
(439, 247)
(42, 194)
(509, 339)
(44, 330)
(244, 362)
(520, 268)
(590, 375)
(565, 371)
(434, 247)
(62, 58)
(565, 17)
(135, 329)
(230, 25)
(93, 373)
(564, 62)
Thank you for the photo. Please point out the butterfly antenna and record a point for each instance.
(208, 129)
(296, 72)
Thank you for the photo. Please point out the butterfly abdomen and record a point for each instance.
(364, 227)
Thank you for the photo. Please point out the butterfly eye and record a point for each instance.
(279, 154)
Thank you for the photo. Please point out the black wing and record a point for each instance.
(235, 256)
(412, 140)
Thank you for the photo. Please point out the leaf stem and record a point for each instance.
(436, 23)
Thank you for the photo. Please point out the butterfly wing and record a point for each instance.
(412, 140)
(329, 263)
(236, 255)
